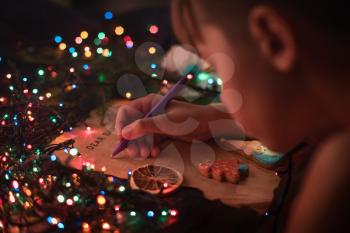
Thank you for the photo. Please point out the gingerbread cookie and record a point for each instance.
(257, 152)
(224, 170)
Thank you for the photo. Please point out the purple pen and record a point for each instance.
(157, 108)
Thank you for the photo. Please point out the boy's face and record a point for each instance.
(273, 107)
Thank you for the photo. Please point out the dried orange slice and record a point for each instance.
(155, 179)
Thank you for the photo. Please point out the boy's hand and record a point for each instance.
(180, 120)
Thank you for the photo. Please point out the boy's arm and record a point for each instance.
(182, 121)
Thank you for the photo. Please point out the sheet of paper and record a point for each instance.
(96, 147)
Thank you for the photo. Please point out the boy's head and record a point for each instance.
(282, 54)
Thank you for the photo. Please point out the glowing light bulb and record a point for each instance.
(105, 52)
(190, 76)
(121, 188)
(117, 207)
(128, 95)
(173, 213)
(85, 226)
(86, 67)
(60, 225)
(127, 38)
(220, 82)
(108, 15)
(28, 192)
(78, 40)
(153, 29)
(54, 221)
(101, 35)
(101, 200)
(41, 72)
(106, 226)
(73, 152)
(8, 76)
(152, 50)
(69, 202)
(88, 54)
(76, 198)
(62, 46)
(53, 157)
(71, 70)
(60, 198)
(48, 95)
(12, 197)
(84, 35)
(129, 44)
(15, 184)
(88, 128)
(150, 214)
(132, 213)
(99, 50)
(58, 39)
(119, 30)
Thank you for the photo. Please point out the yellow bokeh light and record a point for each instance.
(106, 226)
(88, 54)
(101, 200)
(85, 226)
(84, 35)
(62, 46)
(119, 30)
(152, 50)
(105, 53)
(128, 95)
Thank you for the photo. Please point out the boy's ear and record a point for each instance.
(273, 36)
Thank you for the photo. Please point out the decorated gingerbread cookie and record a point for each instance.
(257, 152)
(224, 170)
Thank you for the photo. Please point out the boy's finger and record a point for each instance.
(133, 149)
(141, 127)
(144, 151)
(155, 151)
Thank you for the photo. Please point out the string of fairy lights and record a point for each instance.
(39, 193)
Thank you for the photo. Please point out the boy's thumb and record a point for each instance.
(139, 128)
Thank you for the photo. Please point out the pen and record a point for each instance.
(158, 107)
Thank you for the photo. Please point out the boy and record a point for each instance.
(290, 61)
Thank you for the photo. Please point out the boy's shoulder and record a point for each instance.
(336, 147)
(325, 189)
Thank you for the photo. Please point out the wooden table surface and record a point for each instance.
(96, 146)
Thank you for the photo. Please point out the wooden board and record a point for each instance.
(96, 147)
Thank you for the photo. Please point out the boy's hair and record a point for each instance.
(331, 17)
